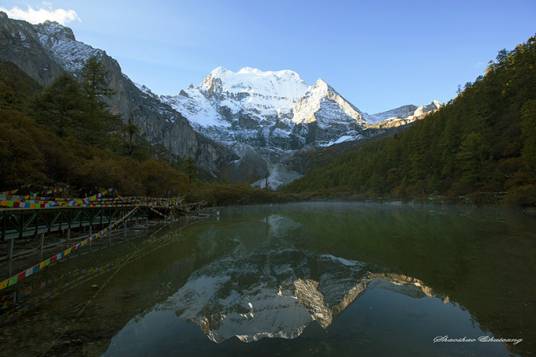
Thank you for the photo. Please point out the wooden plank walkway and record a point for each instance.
(29, 219)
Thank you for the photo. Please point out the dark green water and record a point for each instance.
(326, 279)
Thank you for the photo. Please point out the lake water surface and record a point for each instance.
(306, 279)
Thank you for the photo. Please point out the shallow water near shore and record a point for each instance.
(327, 279)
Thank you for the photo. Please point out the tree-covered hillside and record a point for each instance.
(481, 143)
(64, 135)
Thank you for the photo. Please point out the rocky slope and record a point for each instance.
(266, 117)
(47, 50)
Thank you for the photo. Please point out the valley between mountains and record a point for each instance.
(269, 117)
(238, 134)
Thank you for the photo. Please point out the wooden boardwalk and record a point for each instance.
(28, 225)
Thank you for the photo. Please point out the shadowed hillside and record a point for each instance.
(65, 135)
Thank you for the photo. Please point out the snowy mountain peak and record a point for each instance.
(60, 41)
(324, 105)
(321, 85)
(247, 97)
(283, 74)
(285, 83)
(403, 115)
(218, 71)
(56, 30)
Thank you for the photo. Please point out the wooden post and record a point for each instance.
(109, 235)
(10, 253)
(69, 219)
(110, 230)
(4, 224)
(42, 246)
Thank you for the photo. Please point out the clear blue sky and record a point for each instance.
(378, 54)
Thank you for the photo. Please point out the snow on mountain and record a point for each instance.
(400, 112)
(341, 139)
(401, 116)
(265, 116)
(255, 104)
(224, 96)
(321, 103)
(267, 108)
(276, 88)
(60, 40)
(196, 107)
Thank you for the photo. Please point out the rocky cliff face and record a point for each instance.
(19, 44)
(47, 50)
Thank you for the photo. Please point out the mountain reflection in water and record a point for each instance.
(276, 293)
(321, 279)
(276, 290)
(325, 279)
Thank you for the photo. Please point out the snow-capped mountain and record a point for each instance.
(266, 108)
(224, 96)
(60, 41)
(401, 116)
(321, 103)
(265, 116)
(322, 116)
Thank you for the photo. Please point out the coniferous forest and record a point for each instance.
(480, 145)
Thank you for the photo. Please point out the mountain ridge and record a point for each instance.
(47, 50)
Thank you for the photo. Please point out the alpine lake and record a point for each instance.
(299, 279)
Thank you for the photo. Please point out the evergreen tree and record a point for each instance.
(62, 107)
(190, 169)
(131, 131)
(528, 130)
(97, 91)
(95, 82)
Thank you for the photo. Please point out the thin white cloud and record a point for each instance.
(37, 16)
